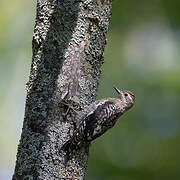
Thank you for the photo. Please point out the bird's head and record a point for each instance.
(127, 97)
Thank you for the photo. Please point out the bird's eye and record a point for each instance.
(126, 94)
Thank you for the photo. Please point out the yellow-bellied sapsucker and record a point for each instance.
(99, 116)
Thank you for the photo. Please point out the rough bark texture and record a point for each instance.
(68, 48)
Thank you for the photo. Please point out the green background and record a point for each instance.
(142, 55)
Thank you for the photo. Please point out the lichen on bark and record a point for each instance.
(68, 51)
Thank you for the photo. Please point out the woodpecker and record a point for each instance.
(98, 117)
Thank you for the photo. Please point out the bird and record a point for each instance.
(101, 115)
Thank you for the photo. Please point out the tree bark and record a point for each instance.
(68, 51)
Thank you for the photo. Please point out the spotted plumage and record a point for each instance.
(99, 116)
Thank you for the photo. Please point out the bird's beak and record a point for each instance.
(117, 90)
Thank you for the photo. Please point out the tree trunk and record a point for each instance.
(68, 48)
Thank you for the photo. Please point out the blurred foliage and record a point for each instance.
(142, 55)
